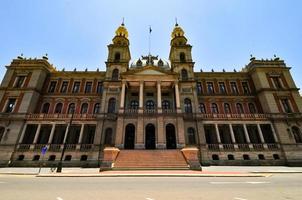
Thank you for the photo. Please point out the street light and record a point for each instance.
(60, 164)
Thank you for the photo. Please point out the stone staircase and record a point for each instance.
(150, 159)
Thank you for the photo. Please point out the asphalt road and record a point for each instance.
(276, 187)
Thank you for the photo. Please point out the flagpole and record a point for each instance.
(150, 30)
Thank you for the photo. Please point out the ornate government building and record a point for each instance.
(149, 112)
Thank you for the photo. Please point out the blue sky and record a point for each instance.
(223, 33)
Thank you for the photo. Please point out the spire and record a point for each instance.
(123, 24)
(176, 24)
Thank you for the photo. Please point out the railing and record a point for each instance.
(55, 147)
(213, 147)
(70, 147)
(150, 111)
(23, 147)
(273, 146)
(233, 116)
(38, 147)
(168, 111)
(131, 111)
(86, 147)
(258, 147)
(59, 116)
(244, 147)
(229, 147)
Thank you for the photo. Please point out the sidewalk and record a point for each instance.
(212, 171)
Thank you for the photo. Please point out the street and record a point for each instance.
(276, 187)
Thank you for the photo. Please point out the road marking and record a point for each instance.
(150, 199)
(237, 198)
(59, 198)
(247, 182)
(254, 182)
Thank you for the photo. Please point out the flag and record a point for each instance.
(150, 30)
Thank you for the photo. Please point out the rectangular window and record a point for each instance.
(99, 88)
(64, 87)
(52, 86)
(88, 87)
(134, 94)
(149, 94)
(19, 81)
(222, 89)
(10, 105)
(286, 106)
(245, 87)
(277, 83)
(210, 87)
(76, 87)
(234, 88)
(199, 88)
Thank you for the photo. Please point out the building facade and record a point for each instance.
(249, 117)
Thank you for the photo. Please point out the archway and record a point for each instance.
(150, 137)
(129, 136)
(170, 137)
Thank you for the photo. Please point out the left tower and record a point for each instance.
(118, 54)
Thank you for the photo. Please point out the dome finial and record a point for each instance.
(176, 24)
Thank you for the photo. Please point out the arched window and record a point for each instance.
(182, 57)
(58, 108)
(111, 105)
(108, 137)
(231, 157)
(252, 108)
(191, 136)
(84, 108)
(202, 108)
(188, 105)
(297, 134)
(71, 108)
(96, 108)
(115, 74)
(117, 57)
(239, 108)
(45, 108)
(214, 108)
(134, 104)
(149, 105)
(227, 108)
(166, 104)
(184, 74)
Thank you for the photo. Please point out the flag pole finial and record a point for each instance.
(123, 24)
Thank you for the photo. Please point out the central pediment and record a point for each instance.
(150, 72)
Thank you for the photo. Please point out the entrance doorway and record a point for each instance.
(150, 137)
(170, 136)
(129, 136)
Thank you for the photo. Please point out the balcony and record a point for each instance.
(55, 147)
(243, 147)
(232, 116)
(41, 116)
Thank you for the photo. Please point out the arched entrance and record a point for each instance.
(150, 137)
(129, 136)
(170, 136)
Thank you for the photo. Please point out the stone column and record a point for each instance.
(232, 134)
(122, 102)
(274, 133)
(217, 134)
(246, 134)
(37, 134)
(141, 96)
(22, 134)
(159, 108)
(52, 132)
(81, 134)
(260, 134)
(177, 97)
(66, 133)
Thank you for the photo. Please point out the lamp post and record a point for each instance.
(60, 164)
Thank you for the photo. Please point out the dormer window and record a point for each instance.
(139, 63)
(160, 63)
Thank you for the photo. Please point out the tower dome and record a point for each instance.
(122, 31)
(177, 31)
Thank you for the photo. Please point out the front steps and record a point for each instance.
(150, 159)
